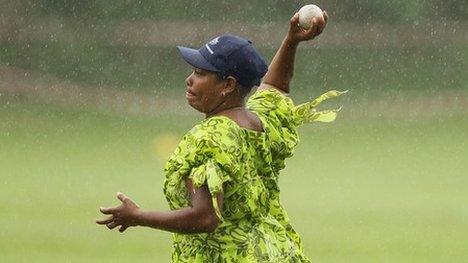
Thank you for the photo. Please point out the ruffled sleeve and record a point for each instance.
(280, 118)
(213, 161)
(210, 174)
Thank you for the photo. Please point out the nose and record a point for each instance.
(188, 80)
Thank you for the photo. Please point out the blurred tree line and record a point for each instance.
(385, 11)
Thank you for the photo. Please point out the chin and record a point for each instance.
(195, 106)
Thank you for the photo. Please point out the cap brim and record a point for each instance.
(194, 58)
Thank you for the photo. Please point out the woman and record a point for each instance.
(222, 180)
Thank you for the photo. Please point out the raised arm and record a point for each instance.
(281, 69)
(199, 217)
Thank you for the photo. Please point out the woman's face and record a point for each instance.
(204, 90)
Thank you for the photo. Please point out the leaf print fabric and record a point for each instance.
(244, 165)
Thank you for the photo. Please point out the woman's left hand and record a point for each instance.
(124, 215)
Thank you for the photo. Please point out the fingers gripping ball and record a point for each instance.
(306, 13)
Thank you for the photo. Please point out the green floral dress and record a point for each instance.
(244, 165)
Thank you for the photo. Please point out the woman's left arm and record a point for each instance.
(200, 217)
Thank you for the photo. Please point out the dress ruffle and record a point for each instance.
(307, 112)
(210, 174)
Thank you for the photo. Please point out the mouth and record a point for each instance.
(189, 93)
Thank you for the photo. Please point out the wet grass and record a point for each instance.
(245, 11)
(360, 190)
(156, 70)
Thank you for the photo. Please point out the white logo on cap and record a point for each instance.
(209, 49)
(214, 41)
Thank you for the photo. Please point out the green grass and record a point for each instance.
(156, 70)
(243, 10)
(358, 190)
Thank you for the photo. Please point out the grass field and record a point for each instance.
(359, 190)
(387, 182)
(159, 69)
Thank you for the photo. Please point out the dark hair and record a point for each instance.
(243, 90)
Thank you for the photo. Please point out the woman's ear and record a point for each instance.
(230, 85)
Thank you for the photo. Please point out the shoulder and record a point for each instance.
(211, 139)
(268, 98)
(215, 132)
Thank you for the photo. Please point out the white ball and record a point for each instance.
(306, 13)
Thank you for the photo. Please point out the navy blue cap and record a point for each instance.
(228, 55)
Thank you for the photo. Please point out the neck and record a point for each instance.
(225, 106)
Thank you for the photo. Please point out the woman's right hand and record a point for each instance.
(297, 34)
(281, 69)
